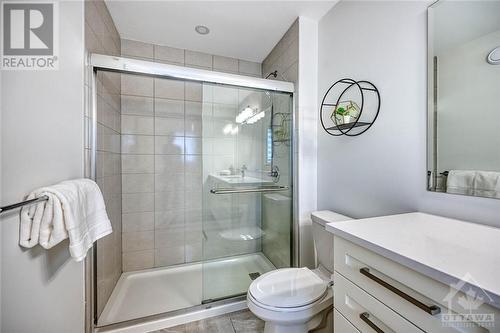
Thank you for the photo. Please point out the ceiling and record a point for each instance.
(240, 29)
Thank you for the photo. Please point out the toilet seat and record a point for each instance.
(288, 288)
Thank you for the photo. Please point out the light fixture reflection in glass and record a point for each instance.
(230, 129)
(249, 116)
(244, 115)
(256, 117)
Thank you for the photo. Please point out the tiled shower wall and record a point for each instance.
(277, 208)
(101, 37)
(161, 157)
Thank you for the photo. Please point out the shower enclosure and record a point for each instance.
(196, 170)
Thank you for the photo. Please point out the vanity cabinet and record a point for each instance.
(376, 294)
(341, 324)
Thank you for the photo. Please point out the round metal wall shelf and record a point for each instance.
(366, 106)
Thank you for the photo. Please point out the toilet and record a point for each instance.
(299, 300)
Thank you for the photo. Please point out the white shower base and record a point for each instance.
(159, 290)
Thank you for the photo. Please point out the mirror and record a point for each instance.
(464, 98)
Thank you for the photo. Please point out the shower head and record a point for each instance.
(494, 56)
(273, 74)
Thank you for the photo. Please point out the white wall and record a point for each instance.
(307, 138)
(383, 171)
(1, 196)
(42, 143)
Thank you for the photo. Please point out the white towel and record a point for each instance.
(75, 209)
(487, 184)
(474, 182)
(460, 182)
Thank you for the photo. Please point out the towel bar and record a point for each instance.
(23, 203)
(232, 190)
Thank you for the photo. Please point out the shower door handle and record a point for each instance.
(233, 190)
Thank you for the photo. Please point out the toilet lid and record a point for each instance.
(288, 288)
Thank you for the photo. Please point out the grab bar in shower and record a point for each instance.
(23, 203)
(232, 190)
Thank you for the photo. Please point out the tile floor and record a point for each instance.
(237, 322)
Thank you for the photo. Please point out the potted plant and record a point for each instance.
(346, 113)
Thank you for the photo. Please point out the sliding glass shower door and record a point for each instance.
(197, 180)
(247, 187)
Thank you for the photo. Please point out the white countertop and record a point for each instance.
(444, 249)
(239, 180)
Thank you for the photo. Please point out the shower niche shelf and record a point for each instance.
(349, 107)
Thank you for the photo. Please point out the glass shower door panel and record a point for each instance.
(246, 214)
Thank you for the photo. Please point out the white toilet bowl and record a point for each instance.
(291, 300)
(299, 300)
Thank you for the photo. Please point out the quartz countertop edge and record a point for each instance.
(441, 275)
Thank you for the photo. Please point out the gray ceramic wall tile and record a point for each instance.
(169, 126)
(193, 146)
(198, 59)
(169, 54)
(137, 183)
(100, 36)
(169, 145)
(169, 182)
(138, 240)
(169, 237)
(169, 200)
(137, 85)
(136, 49)
(169, 108)
(169, 256)
(143, 221)
(138, 260)
(193, 126)
(193, 199)
(93, 44)
(193, 181)
(194, 91)
(138, 202)
(169, 164)
(193, 252)
(193, 164)
(250, 68)
(225, 64)
(290, 56)
(137, 125)
(137, 144)
(171, 89)
(138, 163)
(193, 109)
(136, 105)
(95, 21)
(292, 73)
(176, 111)
(169, 218)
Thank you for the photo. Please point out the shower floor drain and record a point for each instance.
(254, 275)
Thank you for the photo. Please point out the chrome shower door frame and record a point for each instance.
(148, 68)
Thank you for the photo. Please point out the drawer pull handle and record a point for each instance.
(365, 316)
(432, 310)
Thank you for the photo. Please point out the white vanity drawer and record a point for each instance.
(341, 325)
(365, 312)
(419, 299)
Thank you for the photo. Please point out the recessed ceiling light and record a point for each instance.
(202, 30)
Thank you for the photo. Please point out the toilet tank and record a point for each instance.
(323, 240)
